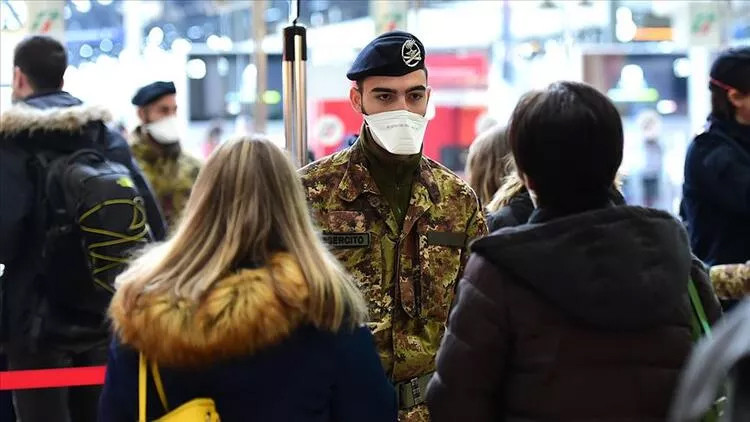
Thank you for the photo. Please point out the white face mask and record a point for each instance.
(165, 131)
(399, 132)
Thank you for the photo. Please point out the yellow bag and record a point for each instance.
(197, 410)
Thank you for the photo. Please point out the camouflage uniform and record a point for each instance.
(731, 281)
(171, 174)
(407, 274)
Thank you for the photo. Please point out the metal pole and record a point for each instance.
(261, 65)
(295, 88)
(287, 93)
(300, 94)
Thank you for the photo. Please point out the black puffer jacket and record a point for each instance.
(716, 204)
(521, 206)
(571, 318)
(58, 122)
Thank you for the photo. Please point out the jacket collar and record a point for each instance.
(51, 112)
(148, 150)
(239, 315)
(358, 179)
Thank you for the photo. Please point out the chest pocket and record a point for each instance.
(439, 261)
(354, 240)
(346, 234)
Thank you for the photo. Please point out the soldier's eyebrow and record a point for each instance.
(384, 90)
(381, 90)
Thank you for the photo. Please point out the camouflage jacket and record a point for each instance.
(731, 281)
(408, 274)
(171, 175)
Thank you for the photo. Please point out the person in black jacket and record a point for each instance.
(716, 193)
(45, 118)
(246, 306)
(583, 313)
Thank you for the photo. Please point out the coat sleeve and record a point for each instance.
(470, 363)
(702, 282)
(719, 176)
(16, 197)
(475, 229)
(361, 391)
(120, 152)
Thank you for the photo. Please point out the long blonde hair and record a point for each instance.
(512, 185)
(247, 203)
(485, 165)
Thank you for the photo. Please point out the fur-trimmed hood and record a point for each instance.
(56, 112)
(238, 316)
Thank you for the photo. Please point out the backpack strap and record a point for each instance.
(700, 324)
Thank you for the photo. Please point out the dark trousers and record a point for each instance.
(6, 397)
(57, 404)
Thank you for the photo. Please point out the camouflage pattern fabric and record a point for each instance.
(407, 273)
(731, 281)
(170, 172)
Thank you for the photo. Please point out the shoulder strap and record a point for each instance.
(142, 388)
(699, 320)
(159, 386)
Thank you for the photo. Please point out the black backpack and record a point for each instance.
(90, 217)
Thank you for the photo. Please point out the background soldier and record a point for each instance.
(156, 148)
(399, 221)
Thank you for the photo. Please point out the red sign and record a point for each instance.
(450, 70)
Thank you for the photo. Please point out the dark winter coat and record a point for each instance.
(583, 317)
(516, 212)
(246, 345)
(51, 122)
(716, 204)
(519, 209)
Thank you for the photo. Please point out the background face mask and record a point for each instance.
(399, 132)
(165, 131)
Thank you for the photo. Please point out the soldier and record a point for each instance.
(399, 221)
(156, 148)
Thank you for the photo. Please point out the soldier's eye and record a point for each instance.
(417, 96)
(384, 97)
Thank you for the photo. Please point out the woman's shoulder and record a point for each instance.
(516, 212)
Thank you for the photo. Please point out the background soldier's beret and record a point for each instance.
(732, 69)
(391, 54)
(152, 92)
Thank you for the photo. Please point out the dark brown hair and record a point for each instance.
(43, 60)
(721, 107)
(568, 140)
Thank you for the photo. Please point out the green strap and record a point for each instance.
(700, 322)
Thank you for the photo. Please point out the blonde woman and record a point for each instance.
(486, 163)
(244, 305)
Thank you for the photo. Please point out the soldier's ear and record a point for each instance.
(355, 99)
(142, 114)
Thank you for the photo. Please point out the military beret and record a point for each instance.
(394, 53)
(732, 69)
(152, 92)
